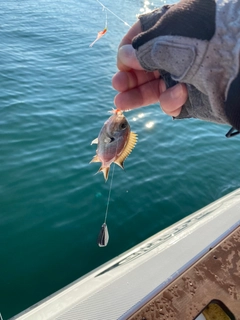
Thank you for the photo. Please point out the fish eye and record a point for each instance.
(123, 126)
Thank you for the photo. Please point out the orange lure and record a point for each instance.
(99, 36)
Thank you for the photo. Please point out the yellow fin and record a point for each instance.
(127, 150)
(95, 159)
(105, 171)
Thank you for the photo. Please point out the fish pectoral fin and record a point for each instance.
(105, 171)
(95, 159)
(95, 141)
(127, 150)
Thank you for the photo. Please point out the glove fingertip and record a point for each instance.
(232, 104)
(148, 21)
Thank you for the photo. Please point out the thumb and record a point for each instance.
(127, 58)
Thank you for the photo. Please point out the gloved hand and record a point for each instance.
(196, 42)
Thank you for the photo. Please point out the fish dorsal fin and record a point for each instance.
(127, 150)
(95, 159)
(95, 141)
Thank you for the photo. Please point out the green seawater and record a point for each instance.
(55, 94)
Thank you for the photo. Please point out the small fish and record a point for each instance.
(115, 142)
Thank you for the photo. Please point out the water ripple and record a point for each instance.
(55, 94)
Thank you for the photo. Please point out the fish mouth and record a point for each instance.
(116, 111)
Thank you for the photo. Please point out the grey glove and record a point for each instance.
(196, 42)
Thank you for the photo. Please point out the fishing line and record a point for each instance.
(109, 195)
(106, 21)
(103, 236)
(103, 32)
(113, 13)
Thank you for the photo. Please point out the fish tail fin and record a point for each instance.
(105, 171)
